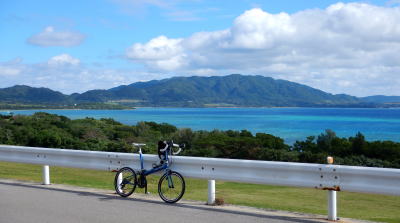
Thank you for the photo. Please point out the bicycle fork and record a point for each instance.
(169, 178)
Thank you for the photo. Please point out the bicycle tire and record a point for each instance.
(171, 194)
(126, 185)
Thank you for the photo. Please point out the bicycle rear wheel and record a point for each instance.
(125, 182)
(171, 187)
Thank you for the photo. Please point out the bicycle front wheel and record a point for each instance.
(125, 182)
(171, 187)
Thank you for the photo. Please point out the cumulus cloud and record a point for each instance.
(63, 59)
(159, 52)
(345, 48)
(67, 74)
(50, 37)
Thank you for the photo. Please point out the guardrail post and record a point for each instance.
(332, 211)
(46, 174)
(211, 192)
(332, 205)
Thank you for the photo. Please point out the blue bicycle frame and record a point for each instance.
(164, 166)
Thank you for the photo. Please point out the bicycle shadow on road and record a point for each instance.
(104, 195)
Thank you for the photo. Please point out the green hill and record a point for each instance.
(31, 95)
(232, 90)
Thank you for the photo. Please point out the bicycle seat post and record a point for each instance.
(141, 158)
(139, 145)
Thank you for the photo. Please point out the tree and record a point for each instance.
(359, 145)
(324, 141)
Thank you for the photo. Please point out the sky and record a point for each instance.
(74, 46)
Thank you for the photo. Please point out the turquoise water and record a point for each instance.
(290, 124)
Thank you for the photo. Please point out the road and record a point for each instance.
(32, 202)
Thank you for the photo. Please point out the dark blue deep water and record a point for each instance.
(290, 124)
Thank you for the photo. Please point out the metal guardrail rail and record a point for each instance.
(320, 176)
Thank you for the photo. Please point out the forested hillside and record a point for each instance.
(30, 95)
(229, 91)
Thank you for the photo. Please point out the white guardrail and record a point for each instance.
(320, 176)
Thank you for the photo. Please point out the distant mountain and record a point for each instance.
(382, 99)
(26, 94)
(232, 90)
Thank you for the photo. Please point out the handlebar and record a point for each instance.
(165, 148)
(176, 153)
(172, 144)
(180, 146)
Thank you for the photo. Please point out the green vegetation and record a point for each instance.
(382, 99)
(227, 91)
(352, 205)
(53, 131)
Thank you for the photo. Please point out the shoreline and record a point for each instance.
(149, 107)
(61, 109)
(291, 119)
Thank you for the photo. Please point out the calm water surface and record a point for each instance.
(289, 123)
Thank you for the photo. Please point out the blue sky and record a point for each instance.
(73, 46)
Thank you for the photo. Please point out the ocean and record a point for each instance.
(291, 124)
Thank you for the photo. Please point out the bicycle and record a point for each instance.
(171, 185)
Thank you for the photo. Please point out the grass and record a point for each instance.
(351, 205)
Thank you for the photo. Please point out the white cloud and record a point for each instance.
(67, 74)
(8, 71)
(256, 29)
(160, 52)
(50, 37)
(63, 59)
(345, 48)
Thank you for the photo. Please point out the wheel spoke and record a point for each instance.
(171, 187)
(125, 182)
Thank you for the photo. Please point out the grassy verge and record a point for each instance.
(352, 205)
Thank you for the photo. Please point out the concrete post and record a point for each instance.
(46, 174)
(211, 192)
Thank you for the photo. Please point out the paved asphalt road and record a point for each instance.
(31, 202)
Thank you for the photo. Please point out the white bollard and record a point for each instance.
(332, 212)
(46, 175)
(211, 192)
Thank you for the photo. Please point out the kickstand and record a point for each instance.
(145, 188)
